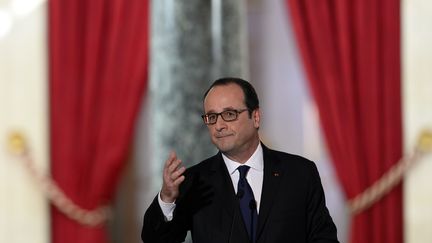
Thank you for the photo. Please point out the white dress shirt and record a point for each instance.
(254, 176)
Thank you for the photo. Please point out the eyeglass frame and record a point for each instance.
(237, 112)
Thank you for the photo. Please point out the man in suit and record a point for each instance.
(246, 192)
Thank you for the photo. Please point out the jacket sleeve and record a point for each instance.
(157, 230)
(192, 197)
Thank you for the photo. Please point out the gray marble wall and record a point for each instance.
(193, 43)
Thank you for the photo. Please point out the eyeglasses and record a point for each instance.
(228, 115)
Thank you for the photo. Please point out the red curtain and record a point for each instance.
(351, 54)
(98, 64)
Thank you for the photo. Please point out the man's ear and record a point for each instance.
(256, 116)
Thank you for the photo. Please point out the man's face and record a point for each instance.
(234, 138)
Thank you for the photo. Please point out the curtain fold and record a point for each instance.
(351, 55)
(98, 65)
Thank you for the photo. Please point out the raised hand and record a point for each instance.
(172, 178)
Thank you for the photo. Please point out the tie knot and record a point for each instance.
(243, 170)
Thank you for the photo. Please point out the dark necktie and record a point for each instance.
(247, 203)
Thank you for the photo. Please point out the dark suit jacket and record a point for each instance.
(292, 205)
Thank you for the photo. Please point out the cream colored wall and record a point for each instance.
(24, 211)
(417, 86)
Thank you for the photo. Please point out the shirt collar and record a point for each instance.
(256, 161)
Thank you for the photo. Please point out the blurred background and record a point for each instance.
(95, 94)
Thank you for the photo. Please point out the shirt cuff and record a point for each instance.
(167, 208)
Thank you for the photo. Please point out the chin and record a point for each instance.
(223, 147)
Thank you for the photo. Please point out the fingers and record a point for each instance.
(172, 157)
(177, 176)
(172, 177)
(172, 170)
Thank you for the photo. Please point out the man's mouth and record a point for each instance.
(222, 135)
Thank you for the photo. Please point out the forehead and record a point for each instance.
(224, 96)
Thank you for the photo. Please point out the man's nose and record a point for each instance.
(220, 124)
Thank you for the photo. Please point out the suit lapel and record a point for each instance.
(220, 178)
(272, 177)
(231, 221)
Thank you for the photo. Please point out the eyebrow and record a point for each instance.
(224, 109)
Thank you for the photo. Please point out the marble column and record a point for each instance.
(193, 43)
